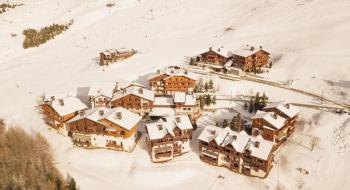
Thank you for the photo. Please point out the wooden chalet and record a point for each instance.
(135, 99)
(214, 56)
(285, 110)
(249, 58)
(100, 93)
(237, 151)
(58, 111)
(169, 137)
(114, 128)
(271, 126)
(113, 55)
(173, 79)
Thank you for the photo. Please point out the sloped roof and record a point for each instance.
(127, 121)
(134, 90)
(275, 120)
(285, 108)
(70, 105)
(209, 133)
(163, 101)
(162, 112)
(102, 88)
(171, 72)
(121, 84)
(187, 99)
(246, 51)
(157, 130)
(240, 141)
(183, 122)
(261, 151)
(221, 51)
(91, 114)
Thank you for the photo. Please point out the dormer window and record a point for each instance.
(61, 102)
(257, 144)
(274, 116)
(118, 115)
(81, 113)
(101, 112)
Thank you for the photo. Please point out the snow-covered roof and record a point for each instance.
(163, 101)
(240, 141)
(177, 71)
(122, 117)
(221, 51)
(179, 97)
(53, 96)
(275, 120)
(247, 51)
(182, 121)
(157, 130)
(289, 110)
(135, 90)
(119, 116)
(187, 99)
(67, 105)
(121, 84)
(209, 133)
(259, 147)
(94, 114)
(102, 88)
(162, 112)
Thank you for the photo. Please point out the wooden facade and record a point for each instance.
(233, 160)
(164, 84)
(178, 84)
(169, 146)
(54, 119)
(112, 56)
(133, 103)
(269, 132)
(213, 57)
(255, 60)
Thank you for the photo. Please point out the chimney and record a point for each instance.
(274, 116)
(140, 91)
(257, 144)
(218, 49)
(158, 71)
(255, 132)
(160, 127)
(101, 112)
(118, 115)
(178, 119)
(52, 97)
(234, 137)
(287, 106)
(186, 72)
(213, 132)
(261, 47)
(252, 48)
(61, 102)
(81, 113)
(210, 48)
(124, 90)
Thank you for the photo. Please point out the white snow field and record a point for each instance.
(309, 40)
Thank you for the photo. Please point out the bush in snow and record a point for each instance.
(34, 38)
(6, 6)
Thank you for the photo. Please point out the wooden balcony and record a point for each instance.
(163, 155)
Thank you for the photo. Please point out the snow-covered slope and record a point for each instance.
(309, 38)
